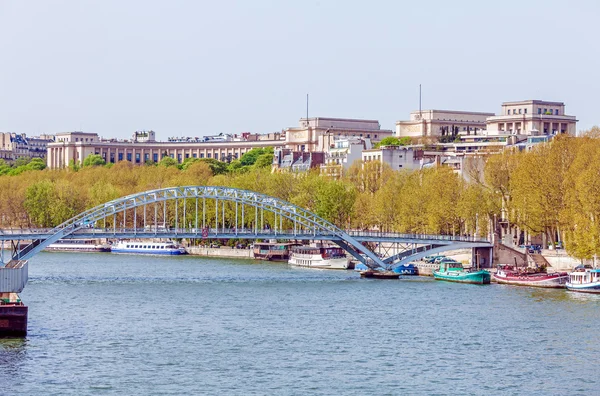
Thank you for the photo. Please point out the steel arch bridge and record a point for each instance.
(302, 223)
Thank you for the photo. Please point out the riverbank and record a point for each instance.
(223, 252)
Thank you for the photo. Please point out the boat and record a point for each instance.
(455, 272)
(584, 280)
(407, 269)
(371, 273)
(13, 316)
(509, 275)
(272, 251)
(325, 257)
(137, 247)
(78, 245)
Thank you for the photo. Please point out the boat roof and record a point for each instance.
(274, 243)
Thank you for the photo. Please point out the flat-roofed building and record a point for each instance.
(319, 133)
(533, 117)
(439, 123)
(76, 146)
(397, 157)
(15, 145)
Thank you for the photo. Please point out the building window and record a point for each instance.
(539, 111)
(556, 112)
(201, 155)
(520, 111)
(216, 155)
(155, 157)
(178, 157)
(187, 155)
(137, 158)
(545, 111)
(120, 156)
(129, 157)
(525, 111)
(208, 155)
(194, 155)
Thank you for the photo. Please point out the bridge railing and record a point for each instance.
(397, 235)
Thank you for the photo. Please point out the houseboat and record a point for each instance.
(455, 272)
(318, 257)
(511, 276)
(272, 251)
(140, 247)
(78, 245)
(13, 316)
(584, 280)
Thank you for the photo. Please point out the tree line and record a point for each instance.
(552, 189)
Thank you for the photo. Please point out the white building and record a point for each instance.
(397, 157)
(343, 153)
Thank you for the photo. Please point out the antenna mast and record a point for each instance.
(420, 112)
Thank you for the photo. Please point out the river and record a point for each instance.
(135, 325)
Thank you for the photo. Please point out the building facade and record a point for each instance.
(343, 153)
(319, 133)
(533, 117)
(397, 157)
(14, 146)
(76, 146)
(438, 123)
(313, 135)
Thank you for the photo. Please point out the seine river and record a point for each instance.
(134, 325)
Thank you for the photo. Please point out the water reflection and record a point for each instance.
(12, 353)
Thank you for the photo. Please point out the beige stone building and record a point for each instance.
(313, 135)
(532, 117)
(319, 133)
(76, 146)
(441, 123)
(14, 146)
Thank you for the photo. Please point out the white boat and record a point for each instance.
(78, 245)
(584, 280)
(318, 257)
(139, 247)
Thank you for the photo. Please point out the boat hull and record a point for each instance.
(584, 288)
(477, 278)
(13, 320)
(551, 281)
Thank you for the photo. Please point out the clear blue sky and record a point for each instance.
(202, 67)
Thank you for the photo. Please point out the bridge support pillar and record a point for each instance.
(482, 257)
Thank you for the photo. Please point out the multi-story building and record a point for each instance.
(532, 117)
(527, 117)
(397, 157)
(296, 161)
(441, 123)
(343, 153)
(314, 135)
(76, 146)
(14, 146)
(319, 133)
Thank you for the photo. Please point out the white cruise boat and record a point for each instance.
(318, 257)
(77, 245)
(140, 247)
(584, 280)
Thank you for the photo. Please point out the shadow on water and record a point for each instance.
(12, 353)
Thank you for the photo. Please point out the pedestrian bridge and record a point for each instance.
(203, 212)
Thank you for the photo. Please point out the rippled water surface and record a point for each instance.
(114, 324)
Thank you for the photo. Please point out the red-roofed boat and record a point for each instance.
(511, 276)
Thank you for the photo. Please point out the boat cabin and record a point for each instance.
(585, 276)
(272, 250)
(325, 252)
(451, 266)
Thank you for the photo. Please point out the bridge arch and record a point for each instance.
(301, 218)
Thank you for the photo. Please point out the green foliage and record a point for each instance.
(264, 160)
(252, 156)
(74, 165)
(94, 160)
(217, 167)
(167, 162)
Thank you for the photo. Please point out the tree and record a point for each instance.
(167, 162)
(94, 160)
(264, 161)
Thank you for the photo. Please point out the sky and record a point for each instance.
(196, 68)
